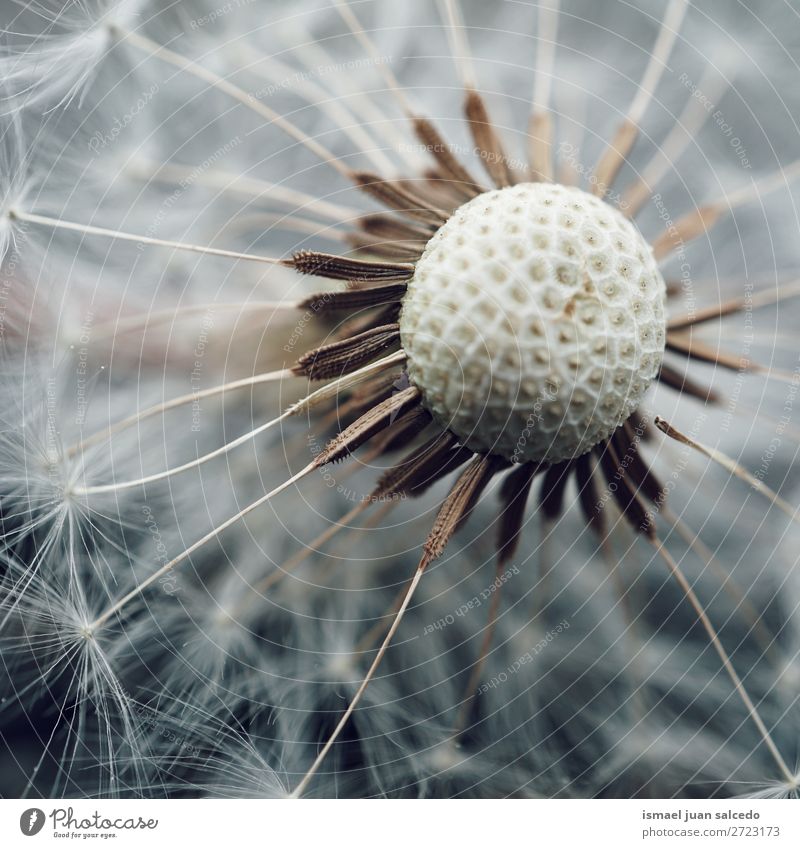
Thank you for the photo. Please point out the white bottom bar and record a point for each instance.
(505, 824)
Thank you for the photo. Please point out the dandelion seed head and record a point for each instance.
(535, 322)
(225, 678)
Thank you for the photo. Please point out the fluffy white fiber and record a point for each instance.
(225, 675)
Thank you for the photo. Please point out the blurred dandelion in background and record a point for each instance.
(398, 399)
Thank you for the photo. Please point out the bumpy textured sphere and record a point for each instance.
(534, 322)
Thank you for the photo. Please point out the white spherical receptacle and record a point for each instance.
(535, 322)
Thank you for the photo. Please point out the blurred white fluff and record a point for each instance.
(211, 685)
(58, 60)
